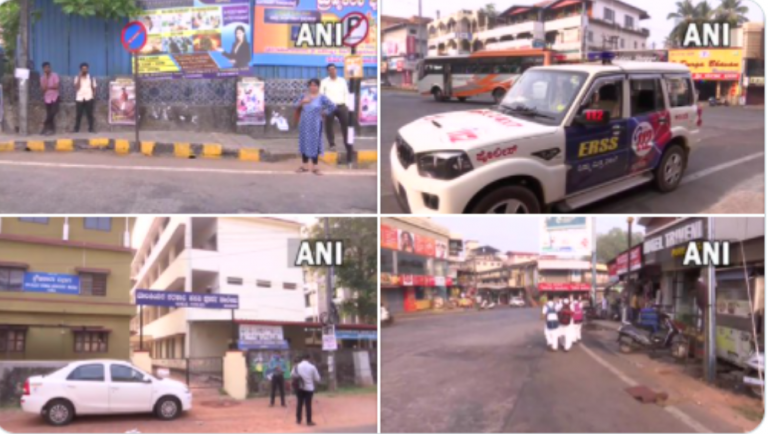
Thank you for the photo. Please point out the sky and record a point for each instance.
(518, 233)
(658, 24)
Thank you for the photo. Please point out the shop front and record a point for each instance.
(755, 91)
(716, 72)
(568, 290)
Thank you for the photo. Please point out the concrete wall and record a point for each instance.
(209, 339)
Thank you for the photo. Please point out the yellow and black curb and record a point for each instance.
(177, 150)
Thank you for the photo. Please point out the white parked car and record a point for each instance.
(517, 302)
(102, 387)
(563, 137)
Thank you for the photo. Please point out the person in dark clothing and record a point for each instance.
(241, 50)
(309, 376)
(49, 82)
(278, 382)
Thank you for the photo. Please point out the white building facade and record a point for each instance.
(247, 257)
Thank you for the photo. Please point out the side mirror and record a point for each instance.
(593, 117)
(146, 380)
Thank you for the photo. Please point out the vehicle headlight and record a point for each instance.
(445, 165)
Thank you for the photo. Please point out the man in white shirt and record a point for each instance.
(309, 376)
(335, 88)
(85, 88)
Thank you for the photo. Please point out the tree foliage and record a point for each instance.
(731, 11)
(614, 242)
(359, 272)
(9, 23)
(105, 9)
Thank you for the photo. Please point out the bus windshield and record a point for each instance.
(544, 95)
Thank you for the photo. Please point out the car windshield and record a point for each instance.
(543, 96)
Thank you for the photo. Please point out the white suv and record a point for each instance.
(563, 137)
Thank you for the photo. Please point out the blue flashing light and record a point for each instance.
(605, 56)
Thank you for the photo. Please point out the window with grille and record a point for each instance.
(234, 280)
(289, 286)
(12, 341)
(11, 279)
(98, 223)
(94, 284)
(91, 342)
(263, 284)
(39, 220)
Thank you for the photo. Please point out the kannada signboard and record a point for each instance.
(51, 283)
(250, 102)
(369, 107)
(196, 38)
(712, 64)
(146, 297)
(258, 337)
(277, 24)
(353, 335)
(122, 102)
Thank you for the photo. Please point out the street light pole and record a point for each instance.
(594, 262)
(630, 220)
(710, 360)
(329, 294)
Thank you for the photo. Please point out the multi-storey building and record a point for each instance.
(570, 27)
(403, 43)
(65, 288)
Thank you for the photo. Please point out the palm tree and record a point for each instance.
(686, 14)
(732, 12)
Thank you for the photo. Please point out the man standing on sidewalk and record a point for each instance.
(85, 86)
(309, 376)
(49, 82)
(335, 88)
(278, 380)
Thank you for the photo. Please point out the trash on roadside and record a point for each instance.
(647, 396)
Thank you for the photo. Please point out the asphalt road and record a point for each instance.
(85, 183)
(491, 372)
(726, 174)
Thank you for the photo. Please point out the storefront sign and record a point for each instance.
(122, 102)
(263, 345)
(636, 258)
(146, 297)
(564, 286)
(613, 272)
(757, 81)
(425, 246)
(369, 103)
(250, 102)
(439, 281)
(679, 235)
(354, 335)
(455, 247)
(276, 31)
(553, 223)
(387, 279)
(51, 283)
(622, 264)
(406, 280)
(196, 38)
(254, 333)
(389, 238)
(715, 64)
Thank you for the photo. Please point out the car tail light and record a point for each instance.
(698, 113)
(26, 388)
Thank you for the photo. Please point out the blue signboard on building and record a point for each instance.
(146, 297)
(51, 283)
(262, 345)
(353, 335)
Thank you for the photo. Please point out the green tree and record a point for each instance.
(105, 9)
(732, 12)
(686, 14)
(359, 272)
(609, 245)
(9, 23)
(491, 13)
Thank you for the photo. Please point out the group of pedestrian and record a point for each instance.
(85, 96)
(324, 102)
(304, 377)
(563, 319)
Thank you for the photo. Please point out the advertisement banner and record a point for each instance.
(353, 67)
(369, 103)
(329, 340)
(387, 279)
(389, 238)
(455, 247)
(258, 333)
(406, 241)
(146, 297)
(250, 102)
(277, 24)
(636, 258)
(622, 264)
(353, 335)
(406, 280)
(122, 102)
(712, 64)
(441, 249)
(196, 38)
(613, 272)
(51, 283)
(425, 246)
(567, 236)
(564, 286)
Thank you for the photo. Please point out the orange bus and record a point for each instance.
(483, 73)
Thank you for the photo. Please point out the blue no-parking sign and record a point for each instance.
(134, 36)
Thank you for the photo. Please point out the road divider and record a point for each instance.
(214, 151)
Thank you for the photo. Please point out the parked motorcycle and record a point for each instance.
(386, 318)
(486, 304)
(754, 375)
(668, 337)
(713, 102)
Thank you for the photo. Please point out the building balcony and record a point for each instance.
(534, 28)
(563, 23)
(518, 44)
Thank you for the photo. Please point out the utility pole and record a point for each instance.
(329, 290)
(23, 64)
(710, 358)
(594, 262)
(629, 255)
(422, 55)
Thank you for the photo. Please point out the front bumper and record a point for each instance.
(410, 187)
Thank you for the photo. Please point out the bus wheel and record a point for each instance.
(462, 99)
(509, 199)
(498, 95)
(438, 94)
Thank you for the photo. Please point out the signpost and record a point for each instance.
(356, 28)
(134, 38)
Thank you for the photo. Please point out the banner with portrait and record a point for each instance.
(122, 102)
(195, 38)
(369, 103)
(250, 102)
(277, 23)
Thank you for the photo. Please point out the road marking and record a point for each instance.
(674, 411)
(359, 174)
(720, 167)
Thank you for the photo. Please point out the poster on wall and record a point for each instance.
(250, 102)
(406, 241)
(425, 246)
(369, 103)
(441, 249)
(122, 102)
(276, 29)
(196, 38)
